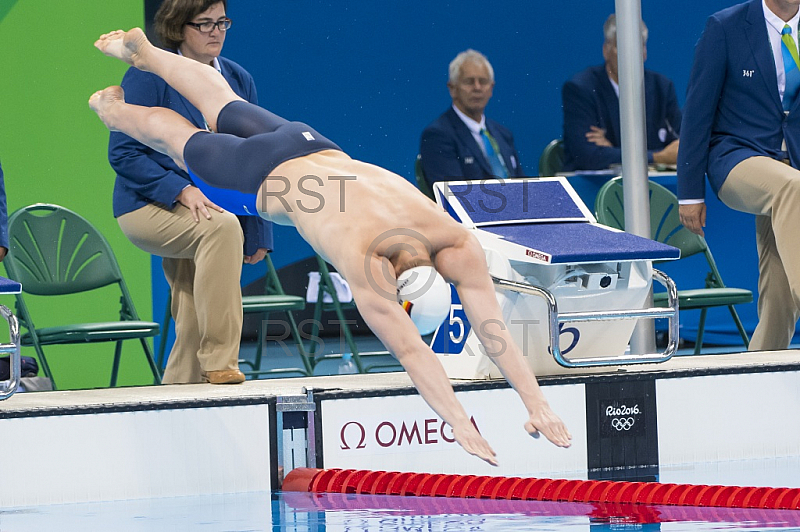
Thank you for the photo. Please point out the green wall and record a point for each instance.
(53, 150)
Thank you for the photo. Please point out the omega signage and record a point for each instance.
(385, 434)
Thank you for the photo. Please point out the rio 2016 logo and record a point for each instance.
(622, 417)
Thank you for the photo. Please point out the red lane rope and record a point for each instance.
(537, 489)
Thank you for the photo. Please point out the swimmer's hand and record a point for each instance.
(544, 420)
(193, 199)
(471, 440)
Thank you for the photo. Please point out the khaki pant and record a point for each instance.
(203, 266)
(771, 190)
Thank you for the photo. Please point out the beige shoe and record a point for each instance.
(224, 376)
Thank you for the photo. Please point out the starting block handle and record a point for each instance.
(12, 348)
(554, 319)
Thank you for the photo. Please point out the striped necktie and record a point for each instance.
(790, 67)
(493, 155)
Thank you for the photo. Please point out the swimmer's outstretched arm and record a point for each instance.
(387, 319)
(465, 266)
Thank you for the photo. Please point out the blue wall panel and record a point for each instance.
(371, 75)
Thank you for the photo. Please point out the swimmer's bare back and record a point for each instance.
(344, 206)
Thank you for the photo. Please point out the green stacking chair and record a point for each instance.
(666, 227)
(276, 300)
(55, 253)
(336, 306)
(326, 287)
(422, 183)
(552, 159)
(273, 300)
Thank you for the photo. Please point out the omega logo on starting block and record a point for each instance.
(538, 255)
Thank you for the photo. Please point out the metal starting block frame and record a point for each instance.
(7, 388)
(543, 243)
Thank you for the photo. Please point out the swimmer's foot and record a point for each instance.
(105, 102)
(129, 46)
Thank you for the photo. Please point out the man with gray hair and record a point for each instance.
(463, 144)
(591, 112)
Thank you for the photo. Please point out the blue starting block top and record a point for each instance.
(568, 243)
(7, 286)
(532, 201)
(546, 218)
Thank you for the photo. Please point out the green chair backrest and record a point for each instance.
(422, 183)
(665, 224)
(55, 251)
(552, 159)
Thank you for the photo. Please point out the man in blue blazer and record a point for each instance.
(162, 212)
(463, 144)
(591, 112)
(742, 129)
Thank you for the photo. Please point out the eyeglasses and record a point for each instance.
(207, 27)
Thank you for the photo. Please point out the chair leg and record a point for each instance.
(42, 360)
(164, 333)
(43, 363)
(21, 311)
(740, 326)
(148, 353)
(327, 283)
(348, 337)
(262, 338)
(315, 329)
(298, 342)
(701, 326)
(115, 366)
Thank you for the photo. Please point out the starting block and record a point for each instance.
(571, 290)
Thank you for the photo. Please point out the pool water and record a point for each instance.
(306, 512)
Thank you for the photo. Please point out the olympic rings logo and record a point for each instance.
(622, 423)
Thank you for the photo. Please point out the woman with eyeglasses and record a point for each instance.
(163, 213)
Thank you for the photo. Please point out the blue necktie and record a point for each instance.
(493, 154)
(790, 63)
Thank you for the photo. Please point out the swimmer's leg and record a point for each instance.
(161, 129)
(202, 85)
(244, 119)
(230, 162)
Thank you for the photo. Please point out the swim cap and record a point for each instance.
(425, 296)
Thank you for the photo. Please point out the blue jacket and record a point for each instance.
(3, 212)
(589, 100)
(733, 110)
(449, 151)
(147, 176)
